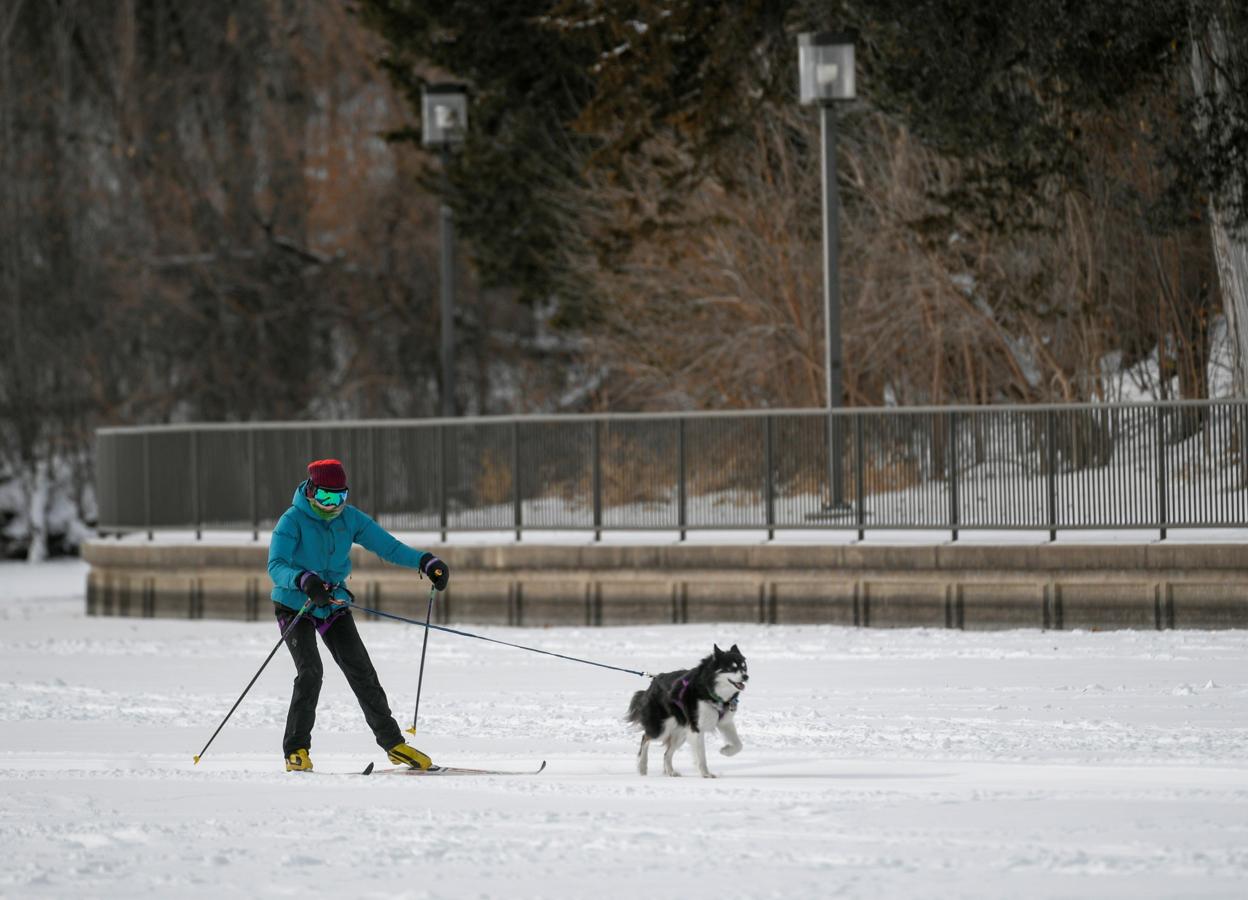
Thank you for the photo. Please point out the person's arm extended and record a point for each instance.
(371, 536)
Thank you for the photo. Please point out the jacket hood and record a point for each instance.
(300, 499)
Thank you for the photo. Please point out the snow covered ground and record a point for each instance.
(912, 763)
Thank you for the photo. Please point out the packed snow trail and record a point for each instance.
(876, 764)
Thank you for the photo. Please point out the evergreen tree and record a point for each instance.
(1020, 87)
(528, 82)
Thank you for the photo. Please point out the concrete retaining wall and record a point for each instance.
(943, 586)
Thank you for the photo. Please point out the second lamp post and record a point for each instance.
(444, 121)
(826, 74)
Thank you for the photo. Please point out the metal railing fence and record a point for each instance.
(1121, 466)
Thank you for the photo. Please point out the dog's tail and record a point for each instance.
(635, 707)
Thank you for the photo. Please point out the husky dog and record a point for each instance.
(700, 699)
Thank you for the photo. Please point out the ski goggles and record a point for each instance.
(328, 500)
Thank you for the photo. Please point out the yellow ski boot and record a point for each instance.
(299, 761)
(403, 755)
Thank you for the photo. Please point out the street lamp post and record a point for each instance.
(444, 120)
(825, 75)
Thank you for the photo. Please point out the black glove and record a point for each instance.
(435, 570)
(318, 591)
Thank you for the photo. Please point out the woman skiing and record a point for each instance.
(309, 560)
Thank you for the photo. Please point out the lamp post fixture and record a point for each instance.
(444, 122)
(825, 64)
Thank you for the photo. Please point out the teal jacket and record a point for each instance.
(304, 542)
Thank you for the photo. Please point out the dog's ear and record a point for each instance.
(718, 652)
(735, 650)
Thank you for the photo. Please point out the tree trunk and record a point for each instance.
(1211, 59)
(37, 486)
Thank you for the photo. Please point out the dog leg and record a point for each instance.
(643, 755)
(699, 754)
(706, 714)
(729, 730)
(672, 743)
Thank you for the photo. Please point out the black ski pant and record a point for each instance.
(342, 639)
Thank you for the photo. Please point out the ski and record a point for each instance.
(433, 770)
(451, 770)
(368, 770)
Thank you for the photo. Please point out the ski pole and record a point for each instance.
(289, 628)
(480, 637)
(423, 647)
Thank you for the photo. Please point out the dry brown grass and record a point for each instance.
(719, 303)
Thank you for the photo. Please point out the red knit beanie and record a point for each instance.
(328, 474)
